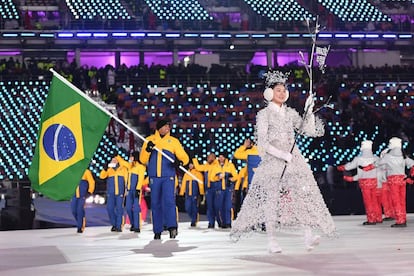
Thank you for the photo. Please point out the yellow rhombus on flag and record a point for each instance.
(70, 129)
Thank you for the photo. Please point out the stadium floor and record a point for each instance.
(359, 250)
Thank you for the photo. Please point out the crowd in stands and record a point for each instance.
(367, 102)
(344, 84)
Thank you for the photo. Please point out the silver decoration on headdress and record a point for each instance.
(273, 77)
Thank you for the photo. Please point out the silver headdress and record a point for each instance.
(273, 77)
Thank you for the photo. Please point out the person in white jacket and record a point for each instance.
(367, 180)
(394, 163)
(293, 201)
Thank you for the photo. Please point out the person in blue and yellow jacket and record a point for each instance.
(136, 176)
(222, 177)
(85, 188)
(248, 152)
(192, 190)
(162, 174)
(209, 195)
(240, 189)
(116, 179)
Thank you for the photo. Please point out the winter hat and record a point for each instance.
(367, 144)
(394, 142)
(135, 155)
(162, 123)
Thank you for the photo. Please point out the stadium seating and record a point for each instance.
(355, 11)
(98, 9)
(9, 15)
(280, 10)
(205, 119)
(189, 10)
(8, 10)
(20, 108)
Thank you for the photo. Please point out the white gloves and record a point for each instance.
(310, 103)
(284, 155)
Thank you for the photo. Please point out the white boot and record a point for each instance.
(311, 240)
(274, 246)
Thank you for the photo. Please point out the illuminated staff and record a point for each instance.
(321, 54)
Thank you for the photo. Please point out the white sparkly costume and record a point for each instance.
(295, 201)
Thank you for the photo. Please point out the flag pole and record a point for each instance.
(86, 97)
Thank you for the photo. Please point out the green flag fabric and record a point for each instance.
(70, 129)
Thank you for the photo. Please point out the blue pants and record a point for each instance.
(210, 205)
(218, 196)
(163, 203)
(78, 210)
(191, 207)
(227, 205)
(133, 209)
(115, 209)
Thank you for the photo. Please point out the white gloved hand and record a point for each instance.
(286, 156)
(310, 103)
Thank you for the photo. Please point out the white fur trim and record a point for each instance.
(287, 94)
(268, 94)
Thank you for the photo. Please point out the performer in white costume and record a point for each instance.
(281, 199)
(394, 163)
(368, 182)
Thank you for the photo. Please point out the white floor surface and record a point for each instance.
(359, 250)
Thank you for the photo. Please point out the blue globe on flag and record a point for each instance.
(59, 142)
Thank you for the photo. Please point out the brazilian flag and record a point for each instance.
(70, 129)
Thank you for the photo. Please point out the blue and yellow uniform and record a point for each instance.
(252, 158)
(241, 180)
(222, 178)
(136, 176)
(116, 179)
(192, 190)
(86, 187)
(240, 188)
(209, 195)
(162, 177)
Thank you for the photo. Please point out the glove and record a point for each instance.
(367, 168)
(150, 146)
(137, 193)
(287, 156)
(348, 178)
(309, 103)
(177, 163)
(341, 168)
